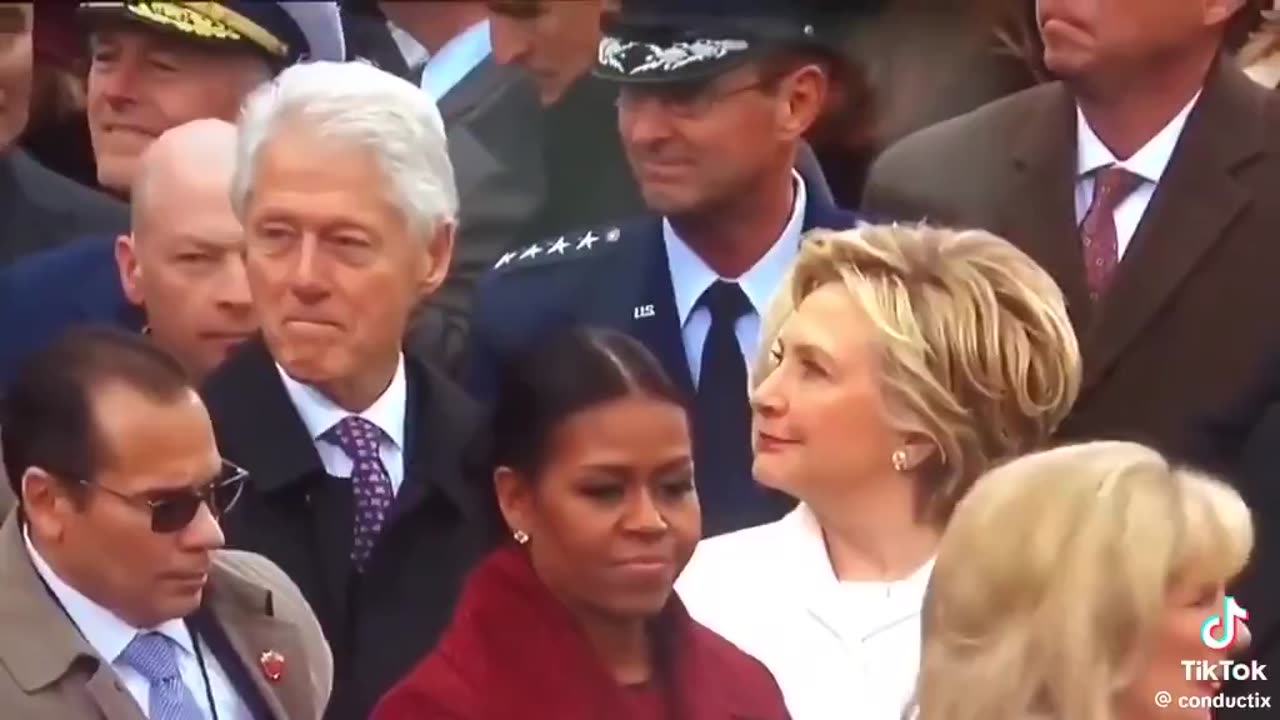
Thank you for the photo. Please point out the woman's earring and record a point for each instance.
(520, 536)
(899, 459)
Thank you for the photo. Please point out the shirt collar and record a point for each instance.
(691, 276)
(1149, 162)
(459, 56)
(105, 632)
(319, 414)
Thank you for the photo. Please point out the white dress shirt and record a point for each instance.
(108, 635)
(1148, 163)
(459, 56)
(319, 414)
(690, 278)
(837, 649)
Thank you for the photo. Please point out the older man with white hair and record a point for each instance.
(362, 483)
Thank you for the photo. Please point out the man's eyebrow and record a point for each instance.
(12, 19)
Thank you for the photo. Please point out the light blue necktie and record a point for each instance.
(153, 655)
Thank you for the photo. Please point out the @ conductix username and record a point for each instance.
(1216, 702)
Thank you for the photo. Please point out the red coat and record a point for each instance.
(513, 651)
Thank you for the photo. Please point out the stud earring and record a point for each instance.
(899, 460)
(520, 536)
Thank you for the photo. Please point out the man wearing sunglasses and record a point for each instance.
(714, 98)
(118, 598)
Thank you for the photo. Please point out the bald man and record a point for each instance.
(183, 261)
(180, 271)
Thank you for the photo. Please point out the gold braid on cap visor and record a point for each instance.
(210, 20)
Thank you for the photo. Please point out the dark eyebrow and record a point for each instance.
(13, 19)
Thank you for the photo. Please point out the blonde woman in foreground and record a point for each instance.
(902, 363)
(1072, 585)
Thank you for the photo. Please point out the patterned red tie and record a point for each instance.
(370, 483)
(1111, 185)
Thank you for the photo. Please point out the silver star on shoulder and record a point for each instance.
(587, 241)
(505, 259)
(613, 235)
(559, 246)
(531, 252)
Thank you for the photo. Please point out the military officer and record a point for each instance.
(714, 97)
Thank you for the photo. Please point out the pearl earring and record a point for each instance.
(899, 460)
(520, 536)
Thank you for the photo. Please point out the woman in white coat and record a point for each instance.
(902, 362)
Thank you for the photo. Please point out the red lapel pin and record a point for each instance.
(272, 664)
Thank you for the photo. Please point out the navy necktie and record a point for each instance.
(722, 415)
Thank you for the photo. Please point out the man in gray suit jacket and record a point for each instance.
(493, 121)
(113, 580)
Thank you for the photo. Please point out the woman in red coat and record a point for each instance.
(576, 620)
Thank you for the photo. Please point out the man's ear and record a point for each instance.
(804, 92)
(439, 257)
(129, 268)
(45, 503)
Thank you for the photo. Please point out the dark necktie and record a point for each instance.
(154, 657)
(1111, 185)
(370, 483)
(722, 416)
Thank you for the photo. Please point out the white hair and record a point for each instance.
(356, 103)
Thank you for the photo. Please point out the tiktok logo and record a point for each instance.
(1219, 631)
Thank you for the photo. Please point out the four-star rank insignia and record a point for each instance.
(565, 246)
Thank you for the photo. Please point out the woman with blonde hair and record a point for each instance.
(1074, 585)
(901, 363)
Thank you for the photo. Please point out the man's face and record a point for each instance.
(185, 265)
(556, 41)
(142, 83)
(15, 70)
(334, 266)
(103, 544)
(1091, 38)
(692, 147)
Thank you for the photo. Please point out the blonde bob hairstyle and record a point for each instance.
(977, 352)
(1052, 577)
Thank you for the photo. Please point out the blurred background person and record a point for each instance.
(362, 478)
(588, 180)
(1143, 181)
(577, 619)
(898, 364)
(493, 121)
(57, 133)
(39, 209)
(146, 78)
(153, 69)
(1259, 55)
(1080, 577)
(115, 555)
(179, 274)
(713, 138)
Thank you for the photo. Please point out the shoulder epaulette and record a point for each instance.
(561, 249)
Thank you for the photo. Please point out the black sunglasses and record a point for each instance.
(174, 510)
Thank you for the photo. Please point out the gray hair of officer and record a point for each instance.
(356, 103)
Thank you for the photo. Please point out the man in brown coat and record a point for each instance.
(1179, 299)
(1147, 181)
(113, 580)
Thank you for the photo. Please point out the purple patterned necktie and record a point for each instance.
(370, 483)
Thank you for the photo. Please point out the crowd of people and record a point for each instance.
(639, 359)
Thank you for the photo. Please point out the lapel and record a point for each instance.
(245, 397)
(245, 612)
(638, 298)
(1042, 220)
(41, 647)
(477, 86)
(1196, 201)
(440, 425)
